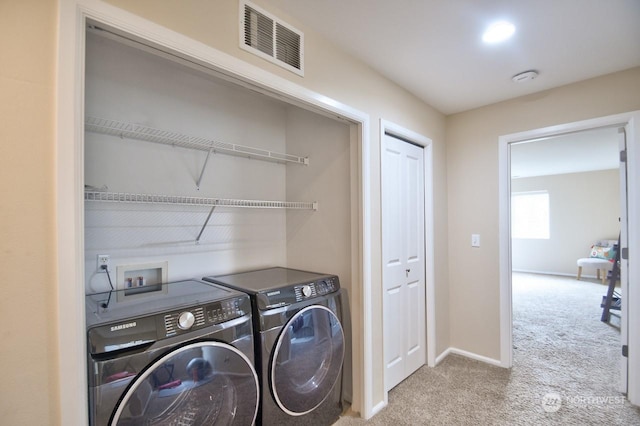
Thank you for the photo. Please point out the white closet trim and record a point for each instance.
(73, 15)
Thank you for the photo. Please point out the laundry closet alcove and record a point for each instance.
(269, 184)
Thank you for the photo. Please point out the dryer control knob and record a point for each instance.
(186, 320)
(306, 290)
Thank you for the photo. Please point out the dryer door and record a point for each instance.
(203, 383)
(307, 360)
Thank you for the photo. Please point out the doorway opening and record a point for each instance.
(565, 203)
(627, 122)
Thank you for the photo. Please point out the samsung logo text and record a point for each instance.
(123, 326)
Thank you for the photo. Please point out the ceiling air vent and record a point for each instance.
(264, 35)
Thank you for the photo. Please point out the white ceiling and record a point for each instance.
(572, 153)
(433, 48)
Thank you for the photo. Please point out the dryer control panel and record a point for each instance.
(314, 289)
(297, 293)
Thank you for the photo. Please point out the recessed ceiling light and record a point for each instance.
(498, 31)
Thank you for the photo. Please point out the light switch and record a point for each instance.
(475, 240)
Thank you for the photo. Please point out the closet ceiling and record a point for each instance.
(433, 48)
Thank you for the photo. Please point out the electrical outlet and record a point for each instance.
(103, 262)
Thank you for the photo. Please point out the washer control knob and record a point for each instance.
(186, 320)
(306, 290)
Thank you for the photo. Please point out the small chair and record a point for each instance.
(601, 257)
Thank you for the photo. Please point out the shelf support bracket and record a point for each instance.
(204, 166)
(205, 224)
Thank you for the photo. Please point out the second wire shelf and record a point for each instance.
(126, 197)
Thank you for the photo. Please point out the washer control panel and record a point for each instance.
(183, 320)
(227, 310)
(196, 317)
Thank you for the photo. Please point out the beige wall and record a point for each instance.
(472, 178)
(321, 240)
(583, 208)
(27, 234)
(28, 343)
(332, 73)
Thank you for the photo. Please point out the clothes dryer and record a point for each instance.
(300, 343)
(177, 353)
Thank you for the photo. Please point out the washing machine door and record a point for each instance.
(203, 383)
(307, 360)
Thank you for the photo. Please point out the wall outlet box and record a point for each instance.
(103, 263)
(475, 240)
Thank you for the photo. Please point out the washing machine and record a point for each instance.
(167, 354)
(300, 343)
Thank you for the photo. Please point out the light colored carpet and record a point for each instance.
(563, 354)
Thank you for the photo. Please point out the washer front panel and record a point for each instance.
(307, 360)
(206, 382)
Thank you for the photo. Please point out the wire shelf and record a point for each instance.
(136, 131)
(126, 197)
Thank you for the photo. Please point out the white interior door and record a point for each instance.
(403, 251)
(624, 277)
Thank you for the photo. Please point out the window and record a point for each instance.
(530, 215)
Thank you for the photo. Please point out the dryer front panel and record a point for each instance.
(201, 383)
(307, 361)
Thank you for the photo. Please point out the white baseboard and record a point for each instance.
(466, 354)
(443, 355)
(377, 408)
(528, 271)
(561, 274)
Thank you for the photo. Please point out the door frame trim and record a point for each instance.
(388, 127)
(632, 121)
(69, 186)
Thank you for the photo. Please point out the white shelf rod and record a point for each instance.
(204, 167)
(206, 222)
(144, 133)
(126, 197)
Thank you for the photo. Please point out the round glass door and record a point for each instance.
(307, 360)
(204, 383)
